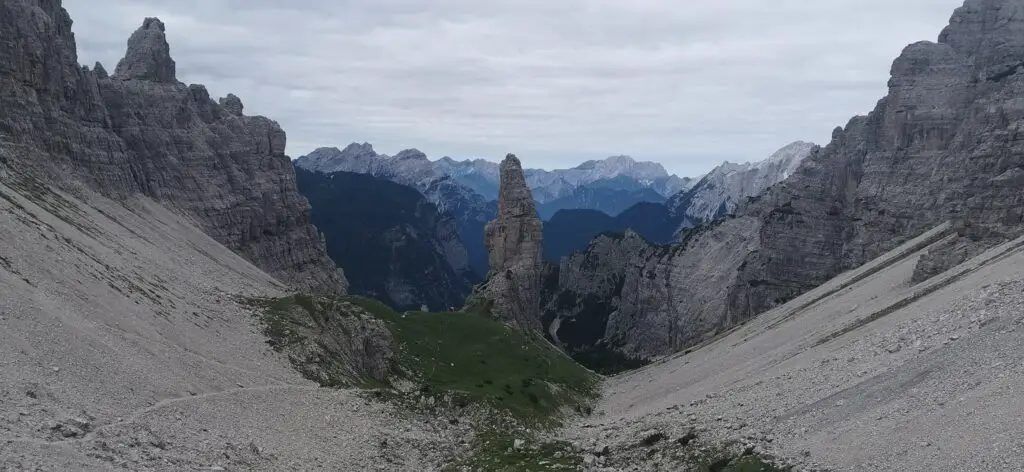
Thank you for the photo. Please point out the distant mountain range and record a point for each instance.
(481, 176)
(401, 250)
(713, 196)
(608, 200)
(467, 190)
(619, 172)
(470, 209)
(720, 190)
(611, 195)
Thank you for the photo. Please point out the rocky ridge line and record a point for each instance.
(940, 146)
(141, 131)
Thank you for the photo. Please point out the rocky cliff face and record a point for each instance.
(142, 131)
(654, 299)
(514, 243)
(396, 246)
(942, 145)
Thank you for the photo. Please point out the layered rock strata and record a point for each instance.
(515, 247)
(141, 131)
(942, 145)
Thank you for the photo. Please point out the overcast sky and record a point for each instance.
(684, 83)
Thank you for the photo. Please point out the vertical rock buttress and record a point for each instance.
(515, 247)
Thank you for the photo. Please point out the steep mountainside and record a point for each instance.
(127, 346)
(611, 201)
(140, 131)
(395, 245)
(411, 167)
(726, 186)
(940, 146)
(869, 372)
(572, 230)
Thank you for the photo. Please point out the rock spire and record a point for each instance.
(148, 56)
(514, 245)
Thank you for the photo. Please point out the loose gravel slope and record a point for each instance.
(121, 348)
(868, 372)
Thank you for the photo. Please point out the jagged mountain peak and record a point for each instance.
(481, 176)
(360, 147)
(149, 55)
(411, 154)
(511, 162)
(989, 31)
(100, 71)
(720, 190)
(789, 157)
(355, 157)
(620, 160)
(622, 164)
(784, 154)
(232, 104)
(795, 147)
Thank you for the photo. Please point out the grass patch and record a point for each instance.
(468, 357)
(494, 451)
(721, 462)
(687, 454)
(442, 363)
(328, 340)
(475, 356)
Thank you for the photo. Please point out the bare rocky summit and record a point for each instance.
(148, 56)
(514, 242)
(940, 146)
(141, 131)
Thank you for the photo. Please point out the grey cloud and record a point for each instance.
(685, 83)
